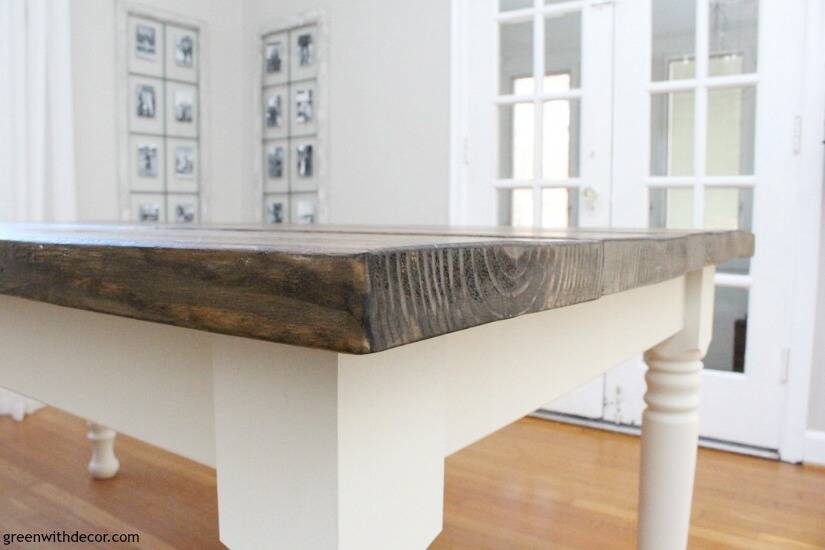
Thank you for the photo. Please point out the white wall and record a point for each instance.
(96, 140)
(389, 105)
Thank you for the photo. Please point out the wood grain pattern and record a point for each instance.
(349, 289)
(534, 484)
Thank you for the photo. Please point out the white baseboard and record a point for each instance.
(814, 448)
(17, 406)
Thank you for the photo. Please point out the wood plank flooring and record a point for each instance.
(533, 485)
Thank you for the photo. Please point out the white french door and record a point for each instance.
(636, 113)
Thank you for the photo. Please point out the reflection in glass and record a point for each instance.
(730, 208)
(563, 46)
(671, 134)
(560, 139)
(515, 53)
(509, 5)
(671, 208)
(515, 207)
(730, 325)
(516, 141)
(733, 36)
(674, 39)
(559, 207)
(731, 125)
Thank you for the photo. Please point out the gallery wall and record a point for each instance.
(389, 106)
(388, 112)
(94, 28)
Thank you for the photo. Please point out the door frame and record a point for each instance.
(809, 132)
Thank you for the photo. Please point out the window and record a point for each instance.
(538, 103)
(703, 94)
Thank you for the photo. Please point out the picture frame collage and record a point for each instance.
(290, 124)
(163, 103)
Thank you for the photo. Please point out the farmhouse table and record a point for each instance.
(326, 372)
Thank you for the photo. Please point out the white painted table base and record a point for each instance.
(316, 449)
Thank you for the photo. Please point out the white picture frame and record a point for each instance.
(182, 52)
(183, 209)
(276, 169)
(146, 105)
(147, 159)
(182, 109)
(275, 109)
(305, 165)
(276, 60)
(145, 206)
(303, 107)
(182, 165)
(304, 52)
(304, 208)
(270, 209)
(145, 46)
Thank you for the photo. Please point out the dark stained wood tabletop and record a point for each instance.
(354, 289)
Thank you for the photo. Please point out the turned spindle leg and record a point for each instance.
(670, 423)
(104, 464)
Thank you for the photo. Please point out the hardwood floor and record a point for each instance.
(533, 485)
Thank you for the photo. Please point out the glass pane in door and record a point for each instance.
(516, 141)
(730, 326)
(559, 207)
(671, 208)
(515, 53)
(671, 134)
(731, 124)
(563, 46)
(560, 139)
(510, 5)
(515, 207)
(730, 208)
(733, 33)
(673, 40)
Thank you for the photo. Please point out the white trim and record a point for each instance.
(732, 280)
(510, 99)
(804, 255)
(814, 448)
(689, 84)
(459, 144)
(636, 430)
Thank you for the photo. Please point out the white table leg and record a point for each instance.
(670, 423)
(104, 464)
(320, 450)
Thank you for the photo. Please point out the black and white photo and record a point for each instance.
(185, 213)
(184, 105)
(274, 57)
(147, 160)
(274, 111)
(184, 50)
(145, 42)
(305, 49)
(184, 161)
(145, 101)
(275, 157)
(149, 213)
(275, 212)
(305, 212)
(304, 160)
(303, 105)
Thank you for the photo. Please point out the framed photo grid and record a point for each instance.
(290, 126)
(163, 104)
